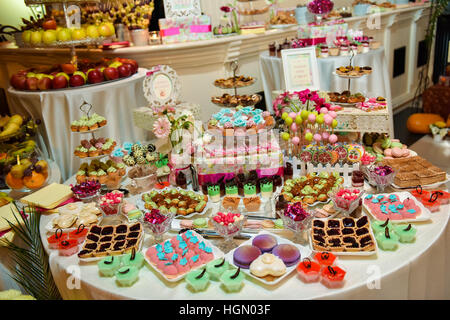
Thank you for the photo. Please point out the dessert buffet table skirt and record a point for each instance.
(376, 84)
(57, 109)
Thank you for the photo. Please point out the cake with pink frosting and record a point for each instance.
(180, 254)
(384, 206)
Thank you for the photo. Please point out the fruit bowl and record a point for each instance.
(344, 203)
(28, 174)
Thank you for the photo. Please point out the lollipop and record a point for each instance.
(323, 110)
(333, 138)
(312, 117)
(325, 135)
(328, 119)
(294, 127)
(296, 140)
(317, 137)
(333, 114)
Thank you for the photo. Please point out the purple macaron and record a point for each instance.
(288, 253)
(265, 242)
(244, 256)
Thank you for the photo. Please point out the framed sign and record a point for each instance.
(182, 8)
(300, 68)
(161, 86)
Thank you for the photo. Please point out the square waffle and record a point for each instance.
(104, 241)
(338, 235)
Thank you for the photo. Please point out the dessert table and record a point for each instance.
(57, 109)
(376, 84)
(414, 271)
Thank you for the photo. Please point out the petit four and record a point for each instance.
(131, 212)
(200, 223)
(406, 233)
(198, 279)
(79, 234)
(56, 238)
(135, 259)
(250, 189)
(243, 256)
(288, 253)
(387, 239)
(232, 280)
(236, 100)
(214, 192)
(333, 277)
(68, 247)
(127, 276)
(379, 225)
(267, 264)
(73, 215)
(252, 203)
(231, 188)
(216, 268)
(108, 266)
(325, 258)
(95, 147)
(309, 271)
(265, 242)
(266, 186)
(357, 178)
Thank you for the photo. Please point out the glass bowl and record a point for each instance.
(381, 182)
(299, 228)
(346, 207)
(158, 230)
(88, 198)
(228, 232)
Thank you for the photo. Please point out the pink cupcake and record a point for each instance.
(170, 270)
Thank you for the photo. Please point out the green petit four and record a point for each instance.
(214, 192)
(278, 223)
(135, 214)
(232, 280)
(108, 266)
(249, 189)
(266, 186)
(387, 240)
(127, 275)
(216, 268)
(200, 223)
(378, 226)
(231, 190)
(134, 259)
(407, 233)
(198, 279)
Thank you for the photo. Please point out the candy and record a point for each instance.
(296, 212)
(154, 217)
(86, 189)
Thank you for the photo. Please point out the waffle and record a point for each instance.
(342, 235)
(111, 240)
(414, 171)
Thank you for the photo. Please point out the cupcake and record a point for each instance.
(83, 152)
(74, 126)
(121, 168)
(83, 126)
(102, 176)
(93, 152)
(112, 172)
(81, 176)
(92, 123)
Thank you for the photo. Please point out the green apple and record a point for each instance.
(31, 75)
(92, 31)
(49, 36)
(26, 36)
(36, 37)
(105, 30)
(81, 74)
(63, 74)
(78, 34)
(64, 35)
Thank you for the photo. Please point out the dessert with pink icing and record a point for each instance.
(180, 254)
(384, 206)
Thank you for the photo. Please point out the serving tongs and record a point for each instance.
(215, 235)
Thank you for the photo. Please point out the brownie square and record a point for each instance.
(122, 228)
(107, 230)
(334, 232)
(106, 239)
(95, 230)
(362, 231)
(333, 224)
(348, 222)
(319, 224)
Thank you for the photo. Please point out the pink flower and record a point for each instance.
(225, 9)
(161, 127)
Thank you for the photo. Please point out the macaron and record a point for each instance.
(288, 253)
(244, 256)
(397, 152)
(265, 242)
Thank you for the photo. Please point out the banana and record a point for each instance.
(17, 119)
(9, 129)
(4, 120)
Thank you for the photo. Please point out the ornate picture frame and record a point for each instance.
(161, 86)
(182, 8)
(301, 70)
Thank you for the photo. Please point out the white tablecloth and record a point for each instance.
(57, 109)
(376, 84)
(414, 271)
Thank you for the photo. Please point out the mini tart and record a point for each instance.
(252, 203)
(230, 203)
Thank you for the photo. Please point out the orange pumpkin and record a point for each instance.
(36, 180)
(419, 122)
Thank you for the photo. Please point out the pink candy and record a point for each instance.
(154, 217)
(86, 189)
(345, 197)
(296, 212)
(226, 218)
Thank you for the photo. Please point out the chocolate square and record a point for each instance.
(347, 231)
(95, 230)
(319, 224)
(348, 222)
(107, 230)
(133, 235)
(365, 241)
(334, 232)
(120, 237)
(122, 228)
(106, 239)
(319, 232)
(333, 224)
(104, 247)
(349, 240)
(84, 252)
(131, 243)
(135, 227)
(362, 231)
(90, 246)
(318, 238)
(118, 245)
(361, 222)
(92, 237)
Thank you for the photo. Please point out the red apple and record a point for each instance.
(76, 80)
(68, 68)
(32, 83)
(60, 82)
(111, 73)
(133, 63)
(95, 76)
(125, 70)
(19, 82)
(45, 83)
(49, 25)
